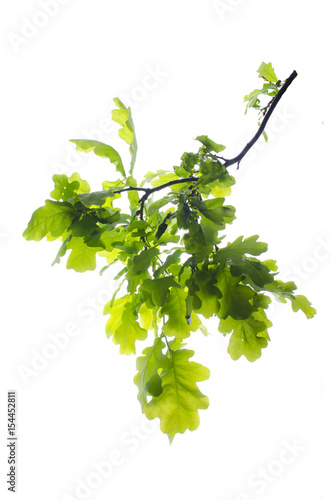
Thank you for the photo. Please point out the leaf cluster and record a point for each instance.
(176, 269)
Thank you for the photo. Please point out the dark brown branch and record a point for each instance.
(227, 163)
(251, 143)
(131, 188)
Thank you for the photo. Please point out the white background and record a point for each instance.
(60, 72)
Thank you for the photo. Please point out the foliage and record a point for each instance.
(176, 269)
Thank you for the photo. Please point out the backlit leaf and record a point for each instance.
(210, 145)
(127, 132)
(236, 298)
(175, 310)
(82, 257)
(253, 269)
(248, 338)
(205, 295)
(267, 71)
(234, 252)
(148, 365)
(178, 404)
(54, 218)
(143, 261)
(102, 150)
(159, 289)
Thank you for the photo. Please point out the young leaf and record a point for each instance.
(283, 291)
(209, 144)
(66, 188)
(127, 132)
(267, 71)
(102, 150)
(178, 404)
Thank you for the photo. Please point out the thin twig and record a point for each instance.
(227, 163)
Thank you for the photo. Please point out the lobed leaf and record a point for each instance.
(102, 150)
(54, 218)
(148, 367)
(249, 337)
(235, 301)
(215, 211)
(209, 144)
(258, 273)
(234, 252)
(178, 404)
(127, 132)
(122, 324)
(267, 71)
(175, 309)
(82, 257)
(159, 289)
(68, 187)
(205, 294)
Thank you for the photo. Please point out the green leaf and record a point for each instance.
(266, 71)
(200, 240)
(66, 188)
(63, 188)
(205, 295)
(284, 291)
(175, 309)
(234, 252)
(178, 404)
(148, 379)
(143, 261)
(300, 302)
(171, 259)
(128, 332)
(159, 289)
(54, 218)
(189, 161)
(154, 207)
(164, 178)
(123, 325)
(248, 338)
(82, 257)
(115, 307)
(212, 171)
(257, 272)
(252, 99)
(210, 145)
(62, 251)
(215, 211)
(86, 225)
(127, 132)
(102, 150)
(152, 175)
(235, 301)
(96, 198)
